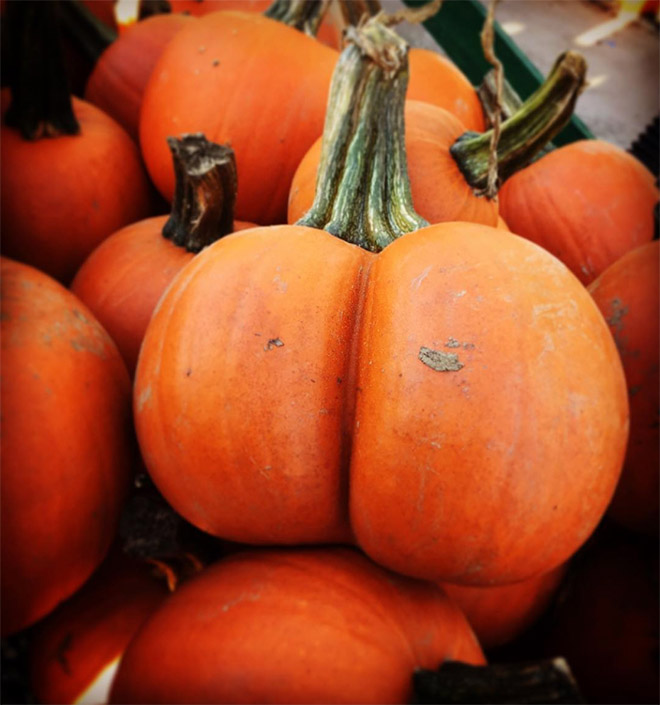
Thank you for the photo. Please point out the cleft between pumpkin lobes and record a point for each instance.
(363, 191)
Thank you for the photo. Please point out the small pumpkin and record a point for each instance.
(75, 651)
(400, 393)
(501, 613)
(627, 295)
(440, 150)
(117, 83)
(588, 203)
(52, 215)
(123, 279)
(66, 443)
(293, 626)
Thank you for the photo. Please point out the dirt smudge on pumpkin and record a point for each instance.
(440, 361)
(615, 319)
(273, 343)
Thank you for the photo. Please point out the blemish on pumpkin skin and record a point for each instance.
(615, 320)
(273, 343)
(439, 361)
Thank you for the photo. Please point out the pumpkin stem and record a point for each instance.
(205, 192)
(524, 134)
(304, 15)
(362, 188)
(40, 98)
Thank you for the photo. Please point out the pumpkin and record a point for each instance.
(588, 203)
(440, 150)
(117, 83)
(66, 443)
(75, 651)
(627, 295)
(499, 614)
(293, 626)
(122, 280)
(406, 396)
(270, 107)
(606, 621)
(437, 80)
(52, 218)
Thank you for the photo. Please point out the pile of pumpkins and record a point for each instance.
(418, 412)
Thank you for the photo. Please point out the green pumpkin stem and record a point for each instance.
(204, 194)
(304, 15)
(40, 98)
(527, 132)
(362, 188)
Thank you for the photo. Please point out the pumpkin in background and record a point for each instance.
(627, 295)
(75, 651)
(606, 620)
(437, 80)
(122, 280)
(120, 75)
(501, 613)
(293, 626)
(71, 176)
(270, 107)
(411, 389)
(66, 443)
(588, 202)
(440, 150)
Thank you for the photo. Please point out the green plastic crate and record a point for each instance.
(456, 28)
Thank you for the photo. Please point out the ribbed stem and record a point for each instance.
(40, 98)
(305, 15)
(205, 192)
(524, 134)
(362, 189)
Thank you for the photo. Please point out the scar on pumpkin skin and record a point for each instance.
(439, 361)
(273, 343)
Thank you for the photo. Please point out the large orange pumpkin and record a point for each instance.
(122, 280)
(588, 203)
(293, 626)
(458, 394)
(627, 294)
(66, 443)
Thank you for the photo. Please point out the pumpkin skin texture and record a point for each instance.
(501, 613)
(334, 386)
(66, 444)
(430, 132)
(120, 76)
(52, 217)
(606, 621)
(588, 203)
(437, 80)
(85, 637)
(122, 280)
(293, 626)
(627, 295)
(270, 108)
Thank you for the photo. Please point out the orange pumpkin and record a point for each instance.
(293, 626)
(440, 150)
(437, 80)
(52, 215)
(627, 295)
(406, 388)
(75, 651)
(120, 75)
(122, 280)
(66, 443)
(270, 107)
(588, 203)
(499, 614)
